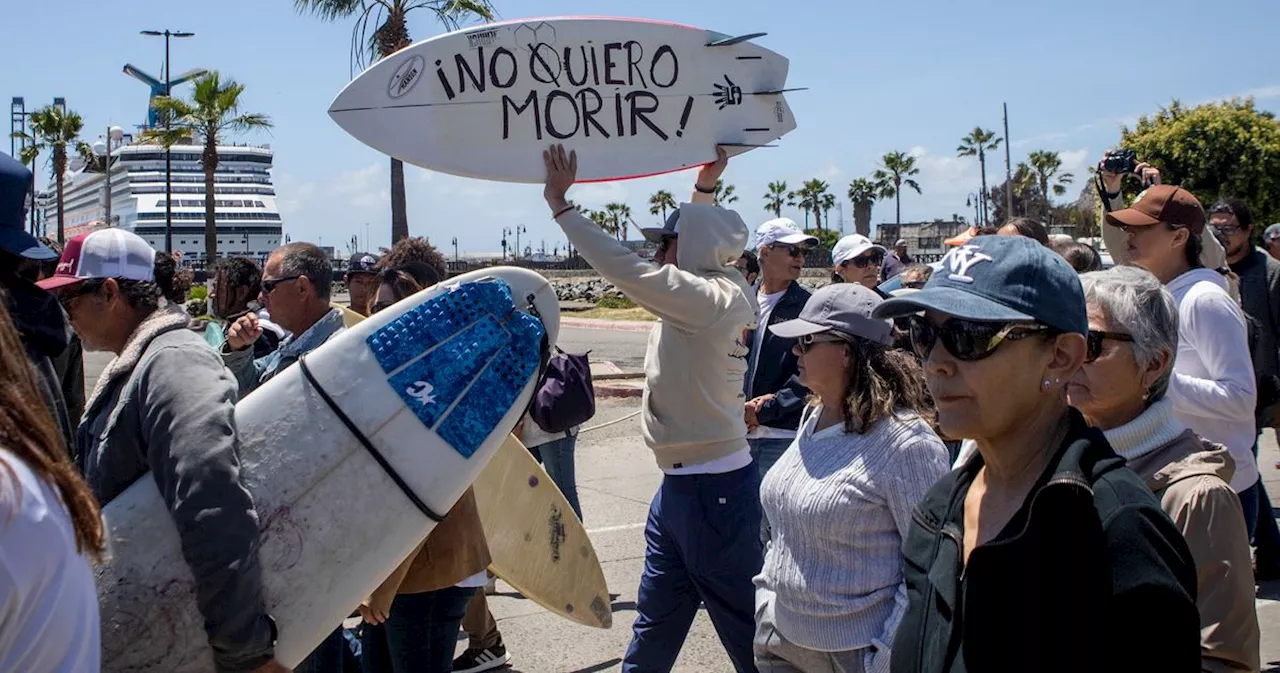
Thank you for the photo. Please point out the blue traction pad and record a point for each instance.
(460, 360)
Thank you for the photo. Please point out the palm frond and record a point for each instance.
(328, 10)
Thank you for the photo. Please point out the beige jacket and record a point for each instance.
(1190, 476)
(696, 358)
(455, 550)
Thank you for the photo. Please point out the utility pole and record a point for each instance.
(111, 141)
(520, 228)
(168, 160)
(1008, 167)
(455, 249)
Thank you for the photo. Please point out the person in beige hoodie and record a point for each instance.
(702, 537)
(1133, 335)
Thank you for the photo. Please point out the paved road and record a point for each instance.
(617, 477)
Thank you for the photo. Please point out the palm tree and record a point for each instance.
(813, 198)
(1046, 164)
(863, 193)
(603, 220)
(978, 143)
(390, 35)
(52, 129)
(896, 169)
(212, 112)
(619, 215)
(777, 197)
(660, 202)
(723, 195)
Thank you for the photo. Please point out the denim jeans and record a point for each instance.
(767, 451)
(333, 655)
(420, 634)
(702, 547)
(557, 459)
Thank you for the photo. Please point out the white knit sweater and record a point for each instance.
(840, 505)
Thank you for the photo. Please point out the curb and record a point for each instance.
(616, 325)
(618, 391)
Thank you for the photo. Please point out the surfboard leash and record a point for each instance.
(368, 446)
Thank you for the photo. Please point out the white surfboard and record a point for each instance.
(434, 383)
(633, 97)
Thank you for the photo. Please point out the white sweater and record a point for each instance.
(1213, 388)
(840, 505)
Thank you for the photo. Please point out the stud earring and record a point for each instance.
(1046, 384)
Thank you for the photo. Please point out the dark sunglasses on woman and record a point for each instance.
(871, 259)
(967, 340)
(1095, 339)
(804, 343)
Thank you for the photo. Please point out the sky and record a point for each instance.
(881, 76)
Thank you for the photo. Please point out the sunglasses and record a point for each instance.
(269, 284)
(792, 250)
(88, 287)
(1229, 230)
(1095, 339)
(863, 261)
(804, 343)
(967, 340)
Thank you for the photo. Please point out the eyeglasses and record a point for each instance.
(792, 250)
(1229, 230)
(1095, 339)
(967, 340)
(269, 284)
(804, 343)
(863, 261)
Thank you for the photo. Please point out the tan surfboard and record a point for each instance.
(538, 546)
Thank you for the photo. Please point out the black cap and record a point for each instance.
(362, 262)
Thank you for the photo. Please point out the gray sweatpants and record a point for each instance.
(776, 654)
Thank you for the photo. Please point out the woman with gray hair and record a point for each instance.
(1132, 341)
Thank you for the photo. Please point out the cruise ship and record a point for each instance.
(248, 220)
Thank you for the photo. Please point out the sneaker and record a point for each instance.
(475, 660)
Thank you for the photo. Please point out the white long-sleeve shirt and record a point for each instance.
(1213, 388)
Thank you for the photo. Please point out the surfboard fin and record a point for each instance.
(752, 145)
(777, 92)
(730, 41)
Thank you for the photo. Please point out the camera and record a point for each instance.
(1122, 162)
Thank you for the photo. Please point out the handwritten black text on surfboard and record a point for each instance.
(591, 90)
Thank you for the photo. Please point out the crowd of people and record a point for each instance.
(1012, 459)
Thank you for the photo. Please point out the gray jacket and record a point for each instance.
(166, 405)
(251, 373)
(1260, 299)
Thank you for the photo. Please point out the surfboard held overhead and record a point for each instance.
(632, 97)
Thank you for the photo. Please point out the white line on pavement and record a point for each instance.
(611, 529)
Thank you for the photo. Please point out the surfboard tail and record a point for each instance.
(732, 40)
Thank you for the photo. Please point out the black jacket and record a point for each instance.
(1089, 575)
(45, 333)
(1260, 299)
(774, 370)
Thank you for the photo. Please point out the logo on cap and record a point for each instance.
(963, 258)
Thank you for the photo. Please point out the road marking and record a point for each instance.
(611, 529)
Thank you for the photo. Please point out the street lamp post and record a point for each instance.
(168, 163)
(520, 229)
(112, 141)
(455, 249)
(973, 200)
(506, 231)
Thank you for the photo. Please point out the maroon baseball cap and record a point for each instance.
(106, 253)
(1162, 203)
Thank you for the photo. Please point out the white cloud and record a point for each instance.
(364, 187)
(1075, 161)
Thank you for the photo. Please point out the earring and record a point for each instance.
(1046, 384)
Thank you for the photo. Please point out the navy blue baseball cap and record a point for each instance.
(15, 183)
(1000, 279)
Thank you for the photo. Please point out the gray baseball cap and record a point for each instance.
(841, 307)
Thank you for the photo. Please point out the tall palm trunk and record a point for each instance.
(817, 219)
(897, 201)
(60, 169)
(399, 214)
(982, 162)
(862, 217)
(210, 161)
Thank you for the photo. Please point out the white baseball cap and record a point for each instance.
(782, 230)
(105, 253)
(851, 246)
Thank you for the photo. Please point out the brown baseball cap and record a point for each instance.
(1162, 203)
